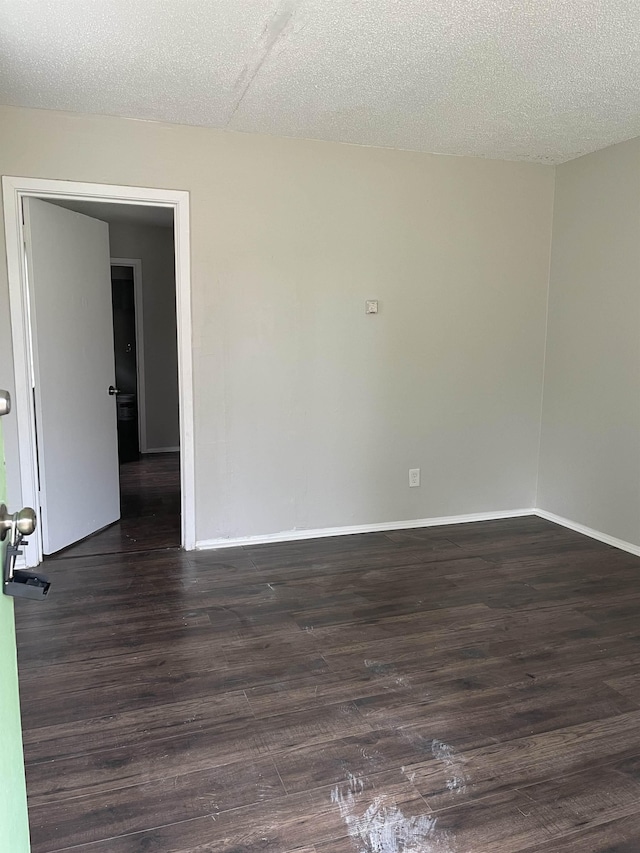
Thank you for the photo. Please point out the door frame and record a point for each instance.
(14, 189)
(136, 265)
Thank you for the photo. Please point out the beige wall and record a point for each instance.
(154, 246)
(308, 412)
(590, 448)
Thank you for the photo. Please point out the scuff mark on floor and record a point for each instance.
(271, 33)
(454, 765)
(387, 669)
(380, 826)
(410, 774)
(420, 742)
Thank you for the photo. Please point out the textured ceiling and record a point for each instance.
(543, 80)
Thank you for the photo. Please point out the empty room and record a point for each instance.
(320, 426)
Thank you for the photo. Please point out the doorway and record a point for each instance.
(182, 470)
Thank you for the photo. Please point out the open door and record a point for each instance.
(69, 273)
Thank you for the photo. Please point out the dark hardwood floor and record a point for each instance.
(465, 689)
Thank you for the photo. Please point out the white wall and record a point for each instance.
(590, 448)
(154, 246)
(308, 412)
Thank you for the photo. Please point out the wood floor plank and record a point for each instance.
(129, 728)
(363, 756)
(315, 725)
(121, 811)
(44, 705)
(616, 836)
(450, 776)
(152, 759)
(574, 803)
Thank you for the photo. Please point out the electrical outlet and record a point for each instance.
(414, 477)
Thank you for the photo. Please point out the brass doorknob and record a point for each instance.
(24, 520)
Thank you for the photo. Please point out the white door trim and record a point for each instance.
(14, 190)
(136, 266)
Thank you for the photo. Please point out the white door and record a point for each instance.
(69, 271)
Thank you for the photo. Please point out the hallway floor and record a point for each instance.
(464, 689)
(150, 510)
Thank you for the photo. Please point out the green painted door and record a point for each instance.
(14, 826)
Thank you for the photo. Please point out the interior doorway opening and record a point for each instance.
(157, 489)
(141, 298)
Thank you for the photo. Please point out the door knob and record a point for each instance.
(5, 402)
(113, 391)
(20, 583)
(24, 521)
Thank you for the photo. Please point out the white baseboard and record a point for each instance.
(160, 450)
(318, 533)
(589, 531)
(322, 532)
